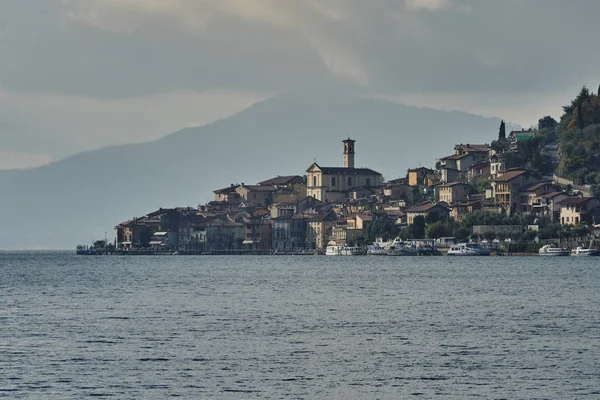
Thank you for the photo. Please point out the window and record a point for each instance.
(368, 181)
(349, 181)
(314, 181)
(333, 181)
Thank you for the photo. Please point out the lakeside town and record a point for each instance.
(470, 195)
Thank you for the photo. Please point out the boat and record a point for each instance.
(468, 249)
(396, 251)
(582, 251)
(553, 250)
(333, 249)
(395, 247)
(377, 249)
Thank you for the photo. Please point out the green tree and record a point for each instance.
(529, 236)
(417, 229)
(490, 236)
(580, 121)
(502, 131)
(547, 123)
(435, 230)
(462, 234)
(99, 244)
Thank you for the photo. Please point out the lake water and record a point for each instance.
(298, 327)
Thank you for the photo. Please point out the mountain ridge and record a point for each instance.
(79, 198)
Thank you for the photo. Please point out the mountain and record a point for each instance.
(78, 199)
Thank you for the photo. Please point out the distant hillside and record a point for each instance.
(79, 198)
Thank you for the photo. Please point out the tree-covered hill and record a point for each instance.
(579, 136)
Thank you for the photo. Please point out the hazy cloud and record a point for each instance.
(71, 53)
(121, 48)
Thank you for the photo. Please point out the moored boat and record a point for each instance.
(553, 250)
(333, 249)
(468, 249)
(582, 251)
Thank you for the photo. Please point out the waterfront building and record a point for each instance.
(577, 210)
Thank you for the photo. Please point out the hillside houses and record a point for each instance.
(288, 213)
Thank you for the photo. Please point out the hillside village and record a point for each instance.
(472, 193)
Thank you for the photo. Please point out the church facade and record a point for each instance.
(335, 183)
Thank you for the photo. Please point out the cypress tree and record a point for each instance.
(502, 133)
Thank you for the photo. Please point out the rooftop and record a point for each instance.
(536, 186)
(423, 207)
(282, 180)
(259, 188)
(228, 189)
(348, 171)
(574, 201)
(472, 147)
(509, 175)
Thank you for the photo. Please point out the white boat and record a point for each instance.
(582, 251)
(378, 249)
(333, 249)
(468, 249)
(553, 250)
(395, 247)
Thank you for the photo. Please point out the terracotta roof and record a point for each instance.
(258, 188)
(228, 189)
(551, 195)
(281, 180)
(508, 175)
(260, 212)
(453, 184)
(423, 208)
(573, 201)
(536, 186)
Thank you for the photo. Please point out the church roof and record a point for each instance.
(345, 171)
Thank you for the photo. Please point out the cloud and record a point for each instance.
(430, 5)
(131, 48)
(77, 74)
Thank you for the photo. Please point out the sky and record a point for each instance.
(77, 75)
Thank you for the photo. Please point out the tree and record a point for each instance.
(502, 132)
(462, 233)
(417, 229)
(529, 236)
(547, 123)
(435, 230)
(490, 236)
(99, 244)
(580, 121)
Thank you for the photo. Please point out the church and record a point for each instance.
(336, 183)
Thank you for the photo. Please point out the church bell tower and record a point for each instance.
(349, 153)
